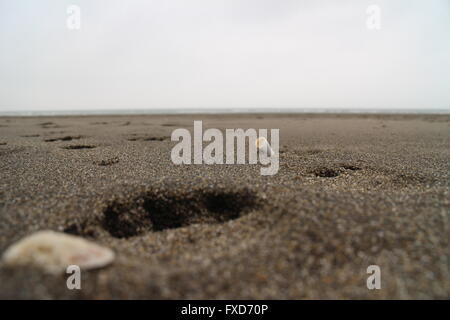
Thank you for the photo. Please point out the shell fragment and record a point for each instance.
(54, 252)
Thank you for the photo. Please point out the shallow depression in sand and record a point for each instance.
(325, 172)
(78, 147)
(65, 138)
(156, 211)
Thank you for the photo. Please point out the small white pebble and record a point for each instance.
(263, 145)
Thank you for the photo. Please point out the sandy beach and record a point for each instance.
(351, 191)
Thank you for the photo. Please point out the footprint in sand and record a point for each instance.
(158, 210)
(79, 146)
(30, 135)
(325, 172)
(66, 138)
(143, 137)
(107, 162)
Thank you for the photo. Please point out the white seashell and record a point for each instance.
(54, 252)
(263, 145)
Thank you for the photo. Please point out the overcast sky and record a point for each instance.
(224, 54)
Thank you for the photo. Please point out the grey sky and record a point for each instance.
(224, 54)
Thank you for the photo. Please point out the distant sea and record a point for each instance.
(221, 111)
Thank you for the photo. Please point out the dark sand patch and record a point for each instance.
(49, 125)
(66, 138)
(31, 135)
(99, 123)
(170, 125)
(158, 210)
(144, 137)
(325, 172)
(79, 147)
(107, 162)
(351, 167)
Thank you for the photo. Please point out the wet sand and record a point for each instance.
(352, 191)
